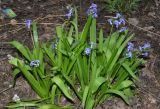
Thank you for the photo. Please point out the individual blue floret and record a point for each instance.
(87, 51)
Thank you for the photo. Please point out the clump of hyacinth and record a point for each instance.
(92, 10)
(118, 21)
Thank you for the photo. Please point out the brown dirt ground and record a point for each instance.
(148, 14)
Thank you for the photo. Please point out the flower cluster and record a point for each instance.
(34, 63)
(54, 44)
(92, 10)
(88, 50)
(70, 12)
(130, 48)
(28, 23)
(117, 22)
(144, 49)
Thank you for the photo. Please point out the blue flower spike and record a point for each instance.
(34, 63)
(145, 46)
(130, 46)
(70, 12)
(129, 54)
(116, 23)
(110, 21)
(118, 15)
(122, 29)
(28, 23)
(122, 21)
(87, 51)
(92, 10)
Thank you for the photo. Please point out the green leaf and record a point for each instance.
(72, 85)
(93, 31)
(15, 73)
(100, 40)
(86, 29)
(52, 106)
(124, 84)
(58, 81)
(97, 83)
(59, 31)
(22, 49)
(53, 92)
(22, 104)
(112, 91)
(85, 94)
(130, 71)
(35, 34)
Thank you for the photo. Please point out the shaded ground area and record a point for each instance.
(144, 22)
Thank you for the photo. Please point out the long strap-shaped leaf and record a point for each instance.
(113, 91)
(58, 81)
(35, 35)
(36, 86)
(86, 29)
(22, 49)
(129, 70)
(85, 94)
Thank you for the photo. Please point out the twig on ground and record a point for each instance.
(10, 86)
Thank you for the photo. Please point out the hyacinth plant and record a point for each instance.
(87, 65)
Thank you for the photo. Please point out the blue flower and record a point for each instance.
(54, 44)
(129, 54)
(122, 29)
(118, 15)
(87, 51)
(130, 46)
(34, 63)
(145, 54)
(116, 23)
(145, 46)
(110, 21)
(92, 10)
(70, 13)
(122, 21)
(28, 23)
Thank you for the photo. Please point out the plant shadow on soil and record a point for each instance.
(148, 15)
